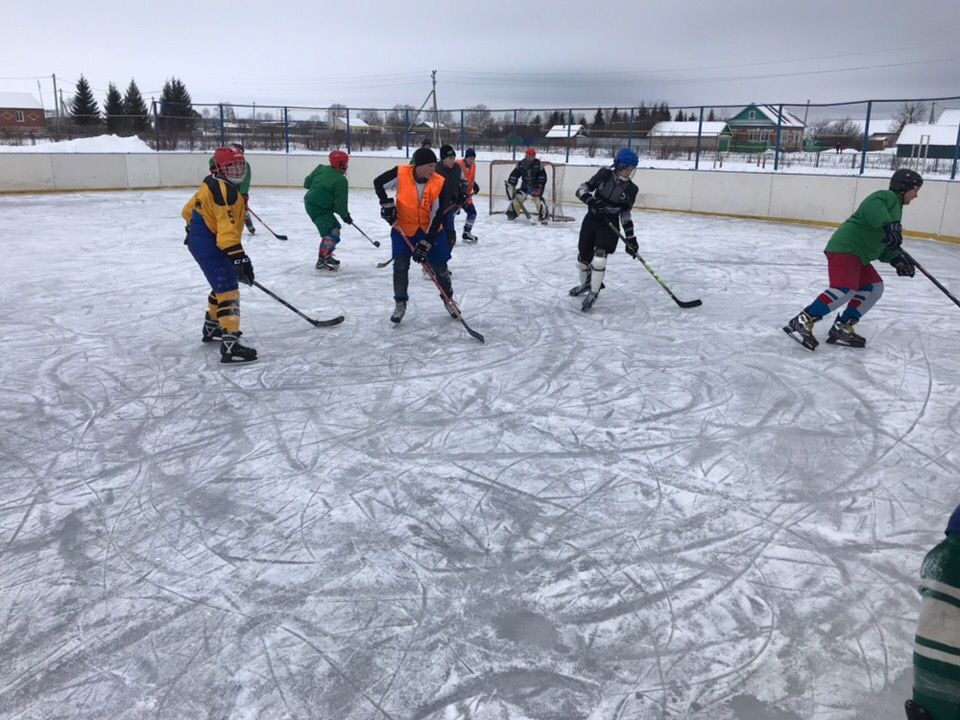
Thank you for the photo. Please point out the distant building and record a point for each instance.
(356, 125)
(755, 129)
(928, 141)
(562, 132)
(20, 111)
(949, 117)
(682, 135)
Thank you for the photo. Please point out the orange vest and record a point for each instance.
(414, 214)
(469, 173)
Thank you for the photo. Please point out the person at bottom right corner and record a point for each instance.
(936, 650)
(873, 232)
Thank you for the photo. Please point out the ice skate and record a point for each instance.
(843, 334)
(232, 352)
(589, 301)
(327, 265)
(398, 311)
(800, 328)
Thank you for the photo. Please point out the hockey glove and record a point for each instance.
(476, 189)
(893, 235)
(904, 267)
(631, 246)
(248, 221)
(421, 250)
(186, 238)
(243, 268)
(349, 220)
(388, 211)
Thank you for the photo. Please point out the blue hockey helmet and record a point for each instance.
(626, 158)
(953, 525)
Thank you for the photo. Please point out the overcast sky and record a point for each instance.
(502, 54)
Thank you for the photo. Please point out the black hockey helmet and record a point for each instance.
(904, 180)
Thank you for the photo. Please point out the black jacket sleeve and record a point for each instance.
(382, 179)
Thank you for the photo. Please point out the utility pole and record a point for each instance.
(61, 102)
(804, 131)
(55, 103)
(436, 113)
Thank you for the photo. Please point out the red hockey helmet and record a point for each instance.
(229, 163)
(339, 160)
(531, 152)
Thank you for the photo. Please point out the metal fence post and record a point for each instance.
(348, 131)
(956, 156)
(630, 130)
(776, 151)
(696, 162)
(514, 135)
(462, 136)
(569, 123)
(866, 137)
(286, 131)
(223, 138)
(156, 125)
(406, 132)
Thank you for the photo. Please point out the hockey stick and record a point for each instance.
(384, 263)
(681, 303)
(316, 323)
(443, 293)
(375, 243)
(278, 237)
(930, 277)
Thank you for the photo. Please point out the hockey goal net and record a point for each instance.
(553, 193)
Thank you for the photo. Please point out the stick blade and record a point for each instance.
(281, 237)
(328, 323)
(689, 303)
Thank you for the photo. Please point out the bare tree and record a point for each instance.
(478, 117)
(909, 112)
(371, 118)
(336, 112)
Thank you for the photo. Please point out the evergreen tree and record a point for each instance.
(616, 116)
(135, 109)
(598, 122)
(664, 111)
(556, 118)
(177, 115)
(113, 111)
(712, 116)
(84, 108)
(537, 121)
(680, 117)
(582, 121)
(642, 113)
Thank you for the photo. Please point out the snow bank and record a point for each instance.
(98, 144)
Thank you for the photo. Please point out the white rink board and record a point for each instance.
(813, 198)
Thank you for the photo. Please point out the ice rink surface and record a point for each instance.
(641, 512)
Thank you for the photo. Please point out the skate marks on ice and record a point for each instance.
(635, 514)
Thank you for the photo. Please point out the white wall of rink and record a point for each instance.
(808, 198)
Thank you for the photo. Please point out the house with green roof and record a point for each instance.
(754, 129)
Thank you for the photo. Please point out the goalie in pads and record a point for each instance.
(528, 179)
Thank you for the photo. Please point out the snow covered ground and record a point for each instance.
(643, 512)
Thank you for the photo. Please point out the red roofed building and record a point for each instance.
(20, 111)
